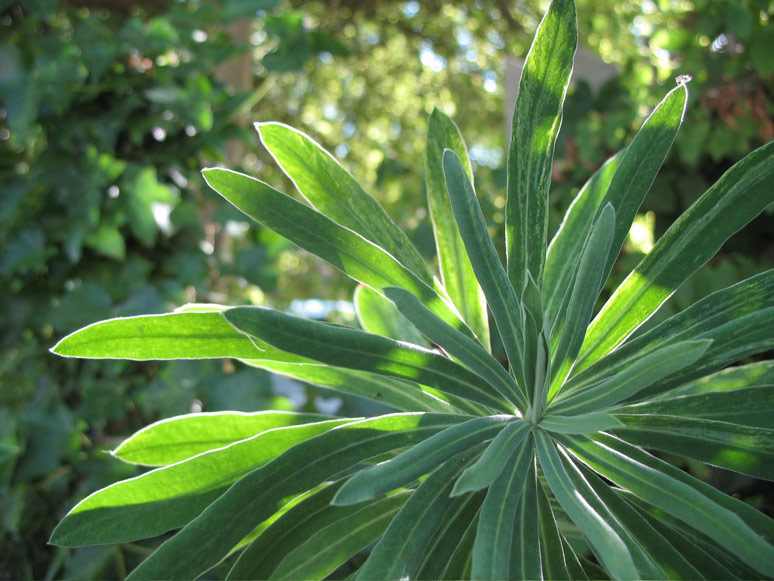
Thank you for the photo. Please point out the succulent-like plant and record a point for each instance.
(539, 470)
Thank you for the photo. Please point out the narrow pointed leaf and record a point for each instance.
(575, 312)
(171, 336)
(330, 188)
(564, 250)
(752, 375)
(496, 523)
(745, 407)
(640, 164)
(401, 395)
(525, 548)
(182, 437)
(679, 499)
(536, 121)
(330, 547)
(756, 520)
(707, 566)
(736, 198)
(708, 318)
(419, 460)
(608, 546)
(580, 424)
(583, 482)
(469, 352)
(169, 497)
(450, 533)
(262, 492)
(668, 561)
(720, 443)
(262, 556)
(355, 349)
(314, 232)
(552, 555)
(456, 271)
(494, 459)
(378, 315)
(500, 295)
(633, 379)
(460, 563)
(398, 554)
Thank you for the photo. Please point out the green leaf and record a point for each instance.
(399, 553)
(457, 274)
(500, 295)
(169, 497)
(494, 459)
(675, 535)
(177, 439)
(341, 247)
(564, 250)
(450, 535)
(679, 499)
(536, 120)
(747, 406)
(419, 460)
(668, 561)
(756, 520)
(586, 490)
(578, 304)
(401, 395)
(580, 424)
(333, 191)
(262, 492)
(149, 337)
(736, 198)
(460, 563)
(497, 521)
(609, 548)
(331, 546)
(355, 349)
(291, 528)
(553, 561)
(378, 315)
(720, 443)
(469, 352)
(720, 316)
(752, 375)
(640, 164)
(628, 382)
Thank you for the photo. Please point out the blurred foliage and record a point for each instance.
(106, 118)
(109, 109)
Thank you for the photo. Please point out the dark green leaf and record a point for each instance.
(469, 352)
(497, 521)
(457, 274)
(679, 499)
(399, 553)
(355, 349)
(536, 120)
(565, 249)
(262, 492)
(720, 443)
(419, 460)
(500, 295)
(494, 459)
(341, 247)
(736, 198)
(607, 544)
(378, 315)
(578, 303)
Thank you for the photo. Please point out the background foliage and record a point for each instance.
(106, 117)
